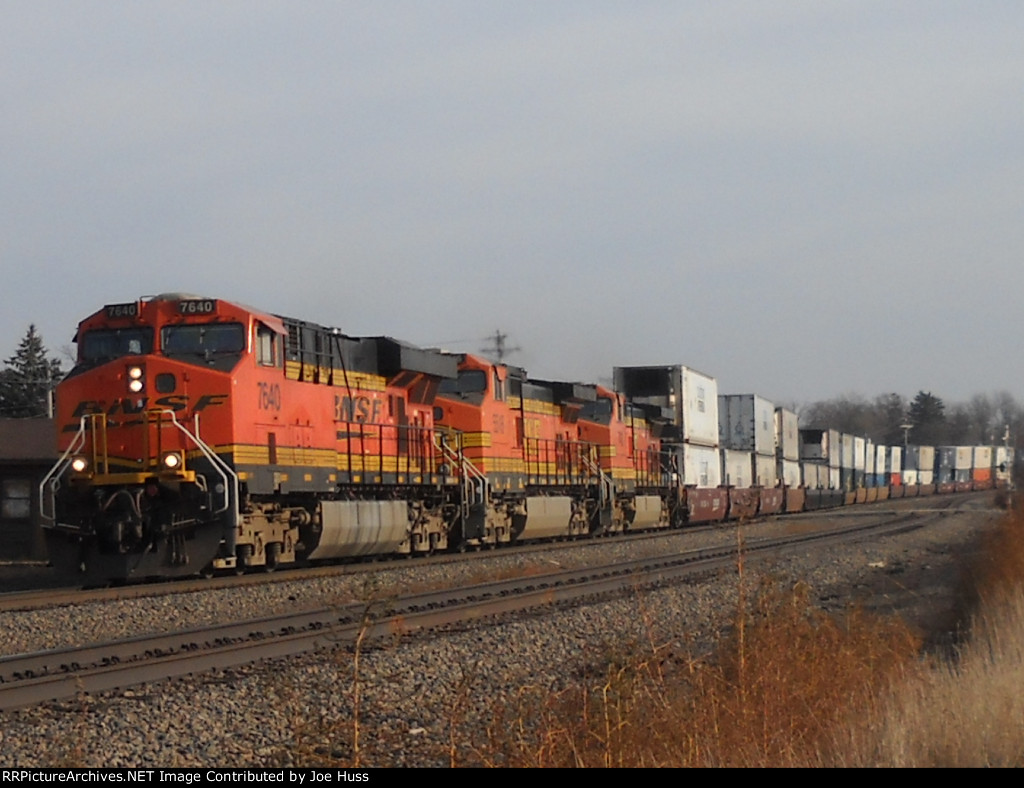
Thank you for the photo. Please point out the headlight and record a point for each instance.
(79, 464)
(173, 460)
(136, 379)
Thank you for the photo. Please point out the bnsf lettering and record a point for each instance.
(359, 409)
(270, 396)
(175, 402)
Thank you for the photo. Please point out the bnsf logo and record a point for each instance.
(130, 407)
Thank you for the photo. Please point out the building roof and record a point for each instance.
(28, 439)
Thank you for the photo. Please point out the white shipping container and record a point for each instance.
(746, 422)
(870, 456)
(702, 466)
(846, 460)
(858, 453)
(789, 472)
(824, 446)
(882, 459)
(926, 477)
(982, 457)
(737, 468)
(690, 396)
(812, 472)
(834, 478)
(1003, 462)
(910, 476)
(765, 472)
(895, 459)
(964, 458)
(787, 434)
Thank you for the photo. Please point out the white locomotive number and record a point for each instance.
(122, 310)
(205, 307)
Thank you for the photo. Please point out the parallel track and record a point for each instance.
(34, 678)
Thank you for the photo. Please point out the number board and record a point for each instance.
(198, 306)
(121, 310)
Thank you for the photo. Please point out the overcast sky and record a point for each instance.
(804, 199)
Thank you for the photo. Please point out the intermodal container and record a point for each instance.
(787, 434)
(811, 473)
(847, 458)
(737, 468)
(702, 466)
(896, 465)
(746, 422)
(824, 446)
(688, 397)
(788, 472)
(765, 472)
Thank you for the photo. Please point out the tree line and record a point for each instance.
(30, 375)
(892, 420)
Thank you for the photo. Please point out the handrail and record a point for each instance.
(470, 471)
(227, 475)
(52, 476)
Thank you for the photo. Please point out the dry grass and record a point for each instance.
(772, 695)
(967, 711)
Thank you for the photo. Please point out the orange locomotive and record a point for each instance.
(636, 469)
(527, 472)
(198, 434)
(202, 435)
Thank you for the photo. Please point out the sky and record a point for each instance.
(805, 200)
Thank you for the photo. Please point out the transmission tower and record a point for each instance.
(499, 349)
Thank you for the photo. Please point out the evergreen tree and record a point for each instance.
(891, 415)
(928, 415)
(28, 380)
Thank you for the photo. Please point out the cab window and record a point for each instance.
(103, 344)
(203, 339)
(267, 347)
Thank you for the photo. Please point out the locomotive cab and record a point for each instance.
(136, 416)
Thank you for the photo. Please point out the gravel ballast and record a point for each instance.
(299, 711)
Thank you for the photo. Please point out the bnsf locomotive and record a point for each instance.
(200, 435)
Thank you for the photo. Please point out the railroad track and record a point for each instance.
(29, 679)
(55, 596)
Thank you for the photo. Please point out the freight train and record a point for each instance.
(199, 435)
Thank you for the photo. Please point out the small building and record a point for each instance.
(28, 449)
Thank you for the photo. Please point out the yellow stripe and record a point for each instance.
(541, 407)
(356, 380)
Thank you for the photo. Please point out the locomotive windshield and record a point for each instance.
(599, 411)
(204, 339)
(469, 381)
(103, 344)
